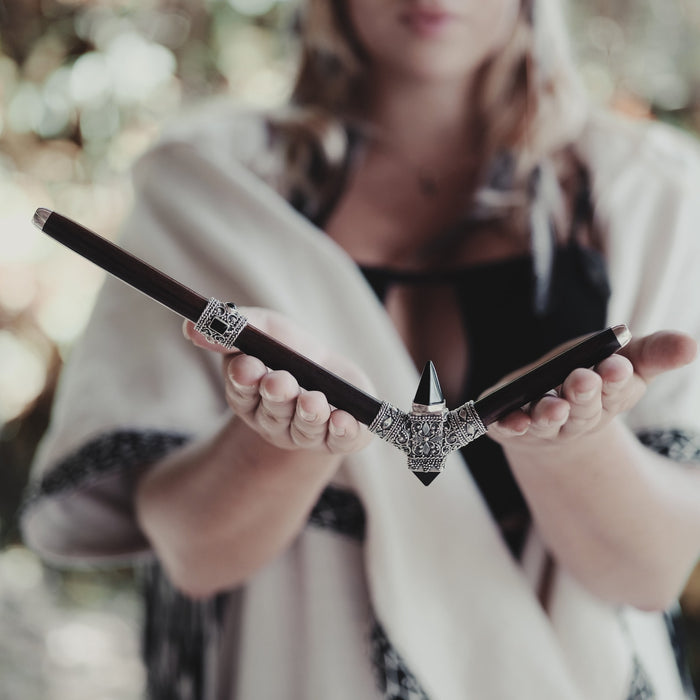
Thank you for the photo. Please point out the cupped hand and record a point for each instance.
(589, 399)
(273, 404)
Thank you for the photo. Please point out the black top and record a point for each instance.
(504, 332)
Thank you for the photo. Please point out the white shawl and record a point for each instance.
(433, 570)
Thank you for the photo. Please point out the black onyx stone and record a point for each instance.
(218, 326)
(429, 391)
(427, 477)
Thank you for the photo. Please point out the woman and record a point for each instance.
(476, 213)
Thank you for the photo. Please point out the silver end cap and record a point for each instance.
(41, 215)
(623, 334)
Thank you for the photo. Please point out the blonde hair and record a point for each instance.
(563, 105)
(529, 106)
(528, 98)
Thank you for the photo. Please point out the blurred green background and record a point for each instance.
(85, 87)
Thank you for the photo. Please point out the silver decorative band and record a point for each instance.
(428, 438)
(428, 449)
(462, 426)
(392, 424)
(221, 323)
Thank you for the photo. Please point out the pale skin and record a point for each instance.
(621, 519)
(220, 509)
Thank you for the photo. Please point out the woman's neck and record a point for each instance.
(427, 121)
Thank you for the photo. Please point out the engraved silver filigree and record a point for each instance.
(463, 425)
(392, 425)
(427, 441)
(428, 438)
(221, 323)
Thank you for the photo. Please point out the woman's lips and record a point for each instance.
(427, 22)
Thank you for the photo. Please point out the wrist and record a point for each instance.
(232, 491)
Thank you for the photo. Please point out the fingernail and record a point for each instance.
(613, 385)
(266, 394)
(337, 431)
(306, 415)
(241, 388)
(585, 395)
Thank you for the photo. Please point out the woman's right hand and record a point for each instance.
(274, 405)
(223, 506)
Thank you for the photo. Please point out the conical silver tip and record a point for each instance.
(623, 334)
(40, 217)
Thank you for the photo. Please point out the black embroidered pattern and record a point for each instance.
(178, 631)
(122, 449)
(394, 678)
(178, 634)
(341, 511)
(679, 445)
(676, 632)
(640, 686)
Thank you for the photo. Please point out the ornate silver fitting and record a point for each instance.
(392, 425)
(221, 323)
(426, 429)
(462, 426)
(430, 432)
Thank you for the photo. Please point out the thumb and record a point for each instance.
(660, 352)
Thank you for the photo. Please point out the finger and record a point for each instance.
(514, 424)
(615, 370)
(547, 417)
(582, 389)
(243, 375)
(621, 387)
(345, 434)
(278, 395)
(310, 421)
(659, 352)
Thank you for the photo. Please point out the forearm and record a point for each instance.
(218, 510)
(620, 518)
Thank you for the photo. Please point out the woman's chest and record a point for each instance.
(382, 224)
(426, 301)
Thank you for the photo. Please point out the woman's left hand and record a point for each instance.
(607, 508)
(590, 398)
